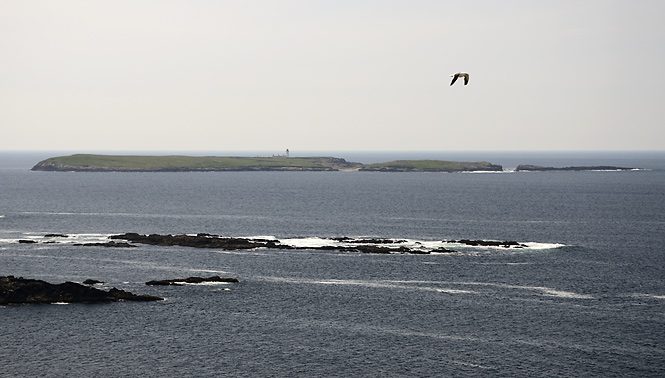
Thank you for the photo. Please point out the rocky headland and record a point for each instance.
(28, 291)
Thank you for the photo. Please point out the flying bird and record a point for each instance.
(463, 74)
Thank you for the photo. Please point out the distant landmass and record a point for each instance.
(177, 163)
(538, 168)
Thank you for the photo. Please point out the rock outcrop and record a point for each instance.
(24, 291)
(191, 280)
(489, 243)
(229, 243)
(197, 241)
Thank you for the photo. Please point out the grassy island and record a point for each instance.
(179, 163)
(431, 166)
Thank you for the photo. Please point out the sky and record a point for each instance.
(332, 75)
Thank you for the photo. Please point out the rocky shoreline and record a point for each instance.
(29, 291)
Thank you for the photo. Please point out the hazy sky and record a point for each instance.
(311, 75)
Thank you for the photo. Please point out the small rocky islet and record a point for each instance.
(19, 290)
(341, 244)
(362, 245)
(192, 281)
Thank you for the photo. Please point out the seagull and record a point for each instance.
(463, 74)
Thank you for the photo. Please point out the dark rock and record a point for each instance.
(368, 245)
(489, 243)
(55, 236)
(90, 281)
(192, 241)
(24, 241)
(107, 244)
(374, 241)
(443, 250)
(190, 280)
(22, 290)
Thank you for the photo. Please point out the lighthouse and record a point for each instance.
(287, 152)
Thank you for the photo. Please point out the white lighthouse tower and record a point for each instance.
(287, 152)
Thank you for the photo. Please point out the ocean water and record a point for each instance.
(586, 299)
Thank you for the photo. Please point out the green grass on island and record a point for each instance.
(431, 165)
(89, 162)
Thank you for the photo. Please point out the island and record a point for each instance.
(339, 243)
(431, 166)
(29, 291)
(178, 163)
(342, 244)
(538, 168)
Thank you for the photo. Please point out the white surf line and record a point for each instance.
(209, 271)
(399, 284)
(370, 284)
(545, 290)
(645, 295)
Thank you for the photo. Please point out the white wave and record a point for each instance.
(548, 291)
(261, 237)
(545, 290)
(563, 294)
(644, 295)
(402, 285)
(60, 303)
(455, 291)
(312, 242)
(535, 245)
(209, 271)
(498, 172)
(205, 283)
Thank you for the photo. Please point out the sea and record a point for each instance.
(585, 298)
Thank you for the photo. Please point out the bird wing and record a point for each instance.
(466, 79)
(454, 79)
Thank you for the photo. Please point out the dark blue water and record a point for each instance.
(589, 302)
